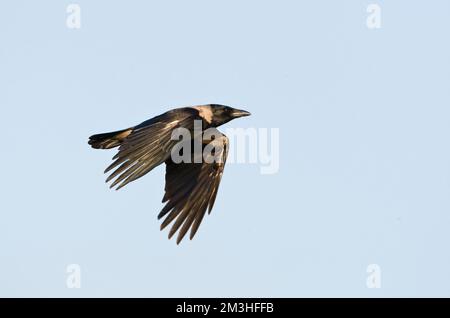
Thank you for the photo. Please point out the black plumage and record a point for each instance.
(191, 187)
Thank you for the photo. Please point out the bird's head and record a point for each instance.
(221, 114)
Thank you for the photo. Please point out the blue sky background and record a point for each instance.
(364, 156)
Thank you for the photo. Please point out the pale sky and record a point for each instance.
(364, 170)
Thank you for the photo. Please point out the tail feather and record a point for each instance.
(109, 140)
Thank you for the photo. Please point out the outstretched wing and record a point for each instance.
(148, 145)
(191, 188)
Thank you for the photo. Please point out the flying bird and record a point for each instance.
(191, 186)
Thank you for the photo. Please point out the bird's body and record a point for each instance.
(191, 186)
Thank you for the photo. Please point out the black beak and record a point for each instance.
(239, 113)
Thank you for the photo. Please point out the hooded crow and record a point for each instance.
(191, 185)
